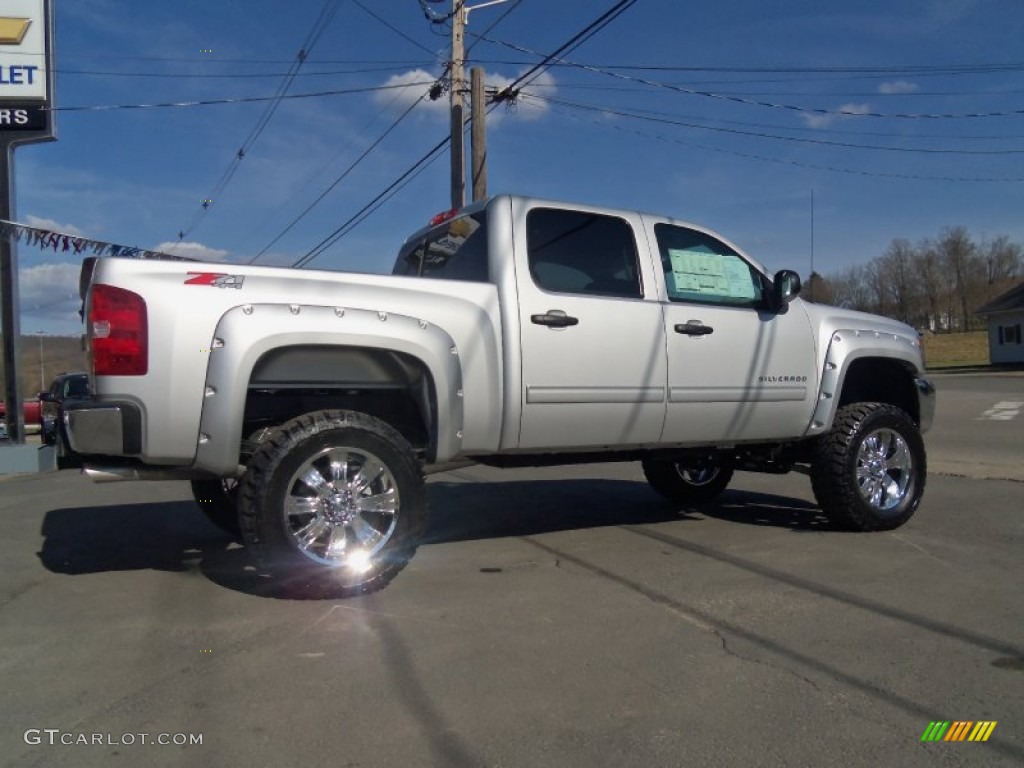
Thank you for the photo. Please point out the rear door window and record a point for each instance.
(585, 253)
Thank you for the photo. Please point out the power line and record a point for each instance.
(390, 191)
(432, 154)
(515, 4)
(824, 142)
(830, 94)
(246, 75)
(509, 92)
(327, 13)
(524, 79)
(887, 72)
(362, 130)
(738, 99)
(394, 29)
(911, 70)
(238, 99)
(826, 77)
(796, 163)
(815, 131)
(216, 59)
(340, 177)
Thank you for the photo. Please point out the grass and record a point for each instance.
(61, 354)
(955, 350)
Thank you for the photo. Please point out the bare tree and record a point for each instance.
(960, 257)
(1002, 259)
(894, 271)
(928, 268)
(849, 289)
(877, 287)
(1003, 264)
(818, 289)
(937, 283)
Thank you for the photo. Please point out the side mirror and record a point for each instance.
(46, 397)
(785, 287)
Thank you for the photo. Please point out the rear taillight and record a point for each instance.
(118, 332)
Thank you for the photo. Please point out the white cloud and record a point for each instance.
(49, 291)
(406, 88)
(53, 226)
(898, 86)
(818, 120)
(196, 251)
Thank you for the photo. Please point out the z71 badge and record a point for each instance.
(216, 279)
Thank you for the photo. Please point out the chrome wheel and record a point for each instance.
(341, 507)
(691, 481)
(332, 504)
(885, 468)
(697, 475)
(868, 473)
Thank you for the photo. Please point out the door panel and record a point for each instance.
(752, 378)
(593, 349)
(736, 372)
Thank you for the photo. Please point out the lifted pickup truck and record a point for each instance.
(305, 406)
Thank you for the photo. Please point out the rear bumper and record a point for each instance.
(96, 428)
(926, 402)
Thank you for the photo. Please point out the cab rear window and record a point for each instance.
(456, 250)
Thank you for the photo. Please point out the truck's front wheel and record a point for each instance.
(869, 472)
(695, 481)
(334, 500)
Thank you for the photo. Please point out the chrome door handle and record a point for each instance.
(694, 328)
(554, 318)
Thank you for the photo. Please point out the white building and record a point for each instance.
(1005, 316)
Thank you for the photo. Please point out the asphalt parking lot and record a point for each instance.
(554, 617)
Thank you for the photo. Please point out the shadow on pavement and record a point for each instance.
(460, 511)
(164, 536)
(767, 509)
(174, 536)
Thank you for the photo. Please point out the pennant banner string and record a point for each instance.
(75, 245)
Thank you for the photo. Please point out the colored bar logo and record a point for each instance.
(958, 730)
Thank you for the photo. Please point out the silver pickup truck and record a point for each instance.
(306, 406)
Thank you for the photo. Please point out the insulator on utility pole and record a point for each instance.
(478, 134)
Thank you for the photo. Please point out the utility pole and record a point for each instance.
(810, 278)
(460, 18)
(460, 14)
(478, 133)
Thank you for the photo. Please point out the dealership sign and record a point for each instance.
(26, 71)
(26, 117)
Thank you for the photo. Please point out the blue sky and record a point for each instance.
(727, 114)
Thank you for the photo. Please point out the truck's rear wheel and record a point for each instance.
(218, 499)
(333, 501)
(688, 482)
(869, 472)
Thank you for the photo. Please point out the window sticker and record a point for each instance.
(703, 272)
